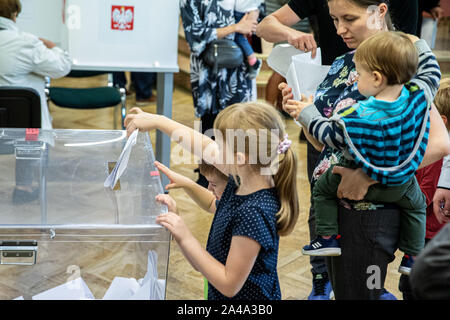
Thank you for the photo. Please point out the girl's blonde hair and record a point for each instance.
(262, 129)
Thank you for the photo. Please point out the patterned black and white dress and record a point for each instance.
(212, 93)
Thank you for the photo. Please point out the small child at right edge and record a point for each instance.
(386, 135)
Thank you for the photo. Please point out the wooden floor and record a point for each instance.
(183, 281)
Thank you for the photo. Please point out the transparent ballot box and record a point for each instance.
(63, 234)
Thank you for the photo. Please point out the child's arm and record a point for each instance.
(325, 130)
(202, 196)
(191, 140)
(228, 278)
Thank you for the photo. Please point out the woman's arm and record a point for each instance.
(276, 28)
(228, 278)
(245, 26)
(193, 141)
(48, 60)
(198, 34)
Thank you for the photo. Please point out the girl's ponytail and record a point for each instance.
(286, 185)
(262, 123)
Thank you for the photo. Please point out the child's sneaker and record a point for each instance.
(253, 70)
(406, 265)
(323, 247)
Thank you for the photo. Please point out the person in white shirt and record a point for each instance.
(25, 60)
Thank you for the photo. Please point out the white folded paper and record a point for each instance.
(428, 31)
(121, 289)
(280, 58)
(73, 290)
(122, 162)
(309, 73)
(148, 288)
(302, 72)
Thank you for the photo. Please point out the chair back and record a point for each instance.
(20, 107)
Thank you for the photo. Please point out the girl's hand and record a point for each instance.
(176, 180)
(168, 201)
(138, 119)
(175, 224)
(246, 25)
(294, 107)
(354, 183)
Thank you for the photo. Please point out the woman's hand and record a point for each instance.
(246, 25)
(302, 41)
(354, 183)
(49, 44)
(138, 119)
(441, 205)
(168, 201)
(294, 107)
(176, 180)
(437, 13)
(175, 224)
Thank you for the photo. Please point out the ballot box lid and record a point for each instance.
(65, 171)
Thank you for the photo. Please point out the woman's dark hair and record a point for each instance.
(367, 3)
(9, 7)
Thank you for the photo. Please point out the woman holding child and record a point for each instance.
(369, 233)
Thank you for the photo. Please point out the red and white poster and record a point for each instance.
(122, 18)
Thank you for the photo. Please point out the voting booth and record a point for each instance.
(110, 35)
(78, 239)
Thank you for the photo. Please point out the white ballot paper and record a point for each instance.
(280, 58)
(122, 163)
(73, 290)
(302, 72)
(148, 288)
(305, 74)
(429, 30)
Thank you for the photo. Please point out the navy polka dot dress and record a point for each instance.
(253, 216)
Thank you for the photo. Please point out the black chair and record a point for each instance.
(20, 107)
(89, 98)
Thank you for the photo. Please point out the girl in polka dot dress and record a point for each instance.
(259, 204)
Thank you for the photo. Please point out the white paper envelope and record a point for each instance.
(121, 289)
(122, 162)
(309, 74)
(281, 57)
(73, 290)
